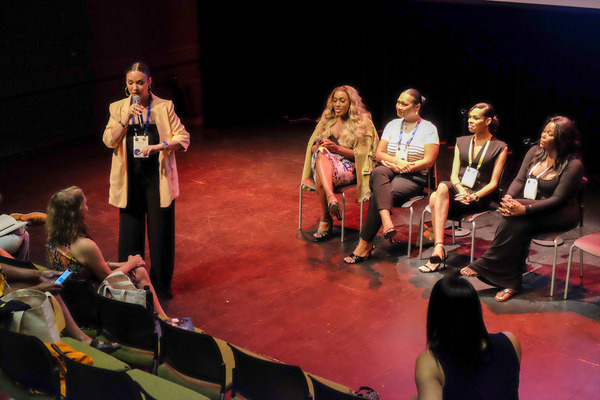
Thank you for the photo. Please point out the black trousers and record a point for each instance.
(143, 207)
(388, 189)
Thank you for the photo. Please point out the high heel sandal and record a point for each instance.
(358, 259)
(440, 262)
(334, 208)
(390, 233)
(324, 235)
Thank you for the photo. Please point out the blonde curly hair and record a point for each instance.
(359, 119)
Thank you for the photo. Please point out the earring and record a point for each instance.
(127, 92)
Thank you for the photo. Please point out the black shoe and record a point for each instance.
(323, 235)
(105, 347)
(334, 208)
(358, 259)
(439, 262)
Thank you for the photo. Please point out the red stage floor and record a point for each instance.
(246, 275)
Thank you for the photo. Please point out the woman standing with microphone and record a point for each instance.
(145, 132)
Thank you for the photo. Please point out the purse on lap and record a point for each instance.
(118, 286)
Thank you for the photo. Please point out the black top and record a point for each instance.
(484, 176)
(552, 193)
(497, 379)
(144, 166)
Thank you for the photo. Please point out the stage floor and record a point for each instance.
(245, 274)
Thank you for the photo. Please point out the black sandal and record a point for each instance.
(358, 259)
(324, 235)
(334, 208)
(439, 261)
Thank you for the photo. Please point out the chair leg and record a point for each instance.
(410, 232)
(473, 241)
(453, 233)
(580, 263)
(422, 232)
(300, 210)
(554, 266)
(362, 207)
(343, 215)
(568, 271)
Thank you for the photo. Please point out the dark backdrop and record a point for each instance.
(528, 61)
(233, 65)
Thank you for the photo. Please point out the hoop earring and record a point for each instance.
(127, 92)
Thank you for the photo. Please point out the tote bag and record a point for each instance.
(118, 286)
(44, 320)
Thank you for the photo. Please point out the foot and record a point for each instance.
(466, 271)
(435, 261)
(430, 267)
(504, 295)
(361, 253)
(324, 230)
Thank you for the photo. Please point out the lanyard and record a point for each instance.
(482, 155)
(543, 172)
(413, 132)
(147, 124)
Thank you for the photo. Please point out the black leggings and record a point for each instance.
(388, 189)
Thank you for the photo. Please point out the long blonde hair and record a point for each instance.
(359, 119)
(65, 222)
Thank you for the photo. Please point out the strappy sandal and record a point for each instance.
(358, 259)
(440, 262)
(334, 208)
(505, 295)
(324, 235)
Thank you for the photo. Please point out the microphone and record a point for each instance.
(138, 100)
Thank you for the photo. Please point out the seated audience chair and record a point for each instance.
(133, 327)
(588, 243)
(81, 300)
(25, 362)
(310, 186)
(256, 378)
(195, 360)
(86, 382)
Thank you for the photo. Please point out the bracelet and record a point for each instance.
(123, 125)
(108, 264)
(476, 196)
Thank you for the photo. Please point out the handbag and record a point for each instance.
(44, 320)
(118, 286)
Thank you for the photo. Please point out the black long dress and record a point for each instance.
(554, 209)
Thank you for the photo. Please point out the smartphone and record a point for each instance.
(62, 277)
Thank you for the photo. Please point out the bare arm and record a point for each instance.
(86, 251)
(429, 377)
(516, 344)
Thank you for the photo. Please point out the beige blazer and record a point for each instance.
(170, 128)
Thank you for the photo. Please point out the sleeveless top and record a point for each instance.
(61, 259)
(497, 379)
(487, 166)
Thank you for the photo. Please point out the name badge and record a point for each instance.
(530, 191)
(469, 177)
(139, 143)
(402, 152)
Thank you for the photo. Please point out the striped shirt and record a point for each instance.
(426, 134)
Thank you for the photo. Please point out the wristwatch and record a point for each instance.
(475, 197)
(165, 145)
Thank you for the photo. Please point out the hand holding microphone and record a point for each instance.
(137, 101)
